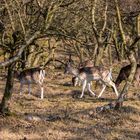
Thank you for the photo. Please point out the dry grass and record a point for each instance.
(63, 116)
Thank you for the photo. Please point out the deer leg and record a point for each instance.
(76, 81)
(40, 83)
(21, 86)
(114, 87)
(83, 88)
(41, 89)
(79, 82)
(104, 86)
(29, 89)
(42, 92)
(89, 88)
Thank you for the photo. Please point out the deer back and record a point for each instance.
(125, 72)
(87, 63)
(95, 73)
(29, 75)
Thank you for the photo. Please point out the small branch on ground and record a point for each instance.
(111, 106)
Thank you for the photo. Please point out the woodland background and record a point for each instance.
(44, 33)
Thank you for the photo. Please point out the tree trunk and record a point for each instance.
(31, 55)
(110, 54)
(138, 59)
(23, 58)
(8, 91)
(123, 94)
(138, 32)
(99, 55)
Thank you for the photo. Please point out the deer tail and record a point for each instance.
(41, 75)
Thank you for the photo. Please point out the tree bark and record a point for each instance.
(8, 91)
(99, 33)
(99, 56)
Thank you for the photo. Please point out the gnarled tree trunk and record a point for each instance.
(8, 90)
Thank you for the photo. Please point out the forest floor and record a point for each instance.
(61, 115)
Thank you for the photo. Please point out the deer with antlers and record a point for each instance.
(31, 76)
(88, 74)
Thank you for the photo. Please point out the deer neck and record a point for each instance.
(75, 71)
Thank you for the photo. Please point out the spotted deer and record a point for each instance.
(75, 81)
(124, 74)
(31, 76)
(88, 74)
(87, 63)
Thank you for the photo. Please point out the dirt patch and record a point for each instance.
(62, 115)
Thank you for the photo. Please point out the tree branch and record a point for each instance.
(67, 4)
(10, 15)
(105, 19)
(20, 17)
(120, 23)
(16, 57)
(93, 20)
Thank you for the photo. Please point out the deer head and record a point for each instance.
(67, 68)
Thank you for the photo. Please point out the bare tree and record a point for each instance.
(28, 21)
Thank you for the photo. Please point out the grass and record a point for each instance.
(61, 115)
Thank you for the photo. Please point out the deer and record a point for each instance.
(124, 74)
(75, 81)
(87, 63)
(88, 74)
(31, 76)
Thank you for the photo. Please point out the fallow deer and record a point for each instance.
(87, 63)
(88, 74)
(125, 72)
(75, 81)
(31, 76)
